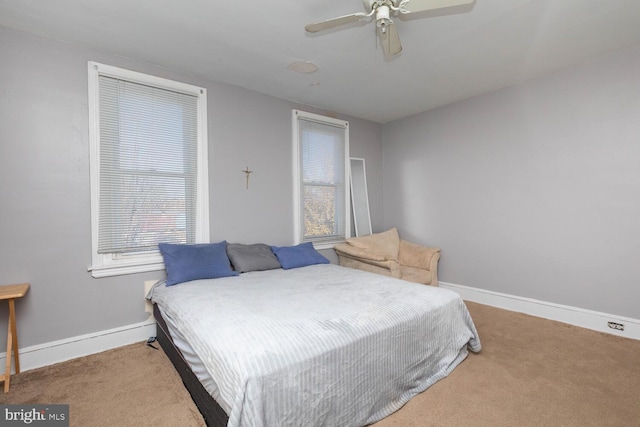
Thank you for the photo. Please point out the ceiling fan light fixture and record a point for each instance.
(303, 67)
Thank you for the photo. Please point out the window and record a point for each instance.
(321, 199)
(148, 145)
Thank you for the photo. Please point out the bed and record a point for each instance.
(313, 345)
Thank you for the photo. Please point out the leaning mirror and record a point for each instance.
(360, 198)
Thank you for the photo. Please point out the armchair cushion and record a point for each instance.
(386, 244)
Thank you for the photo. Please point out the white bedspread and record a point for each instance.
(321, 345)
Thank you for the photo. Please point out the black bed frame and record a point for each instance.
(213, 414)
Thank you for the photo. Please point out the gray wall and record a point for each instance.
(45, 235)
(532, 191)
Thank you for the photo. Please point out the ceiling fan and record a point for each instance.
(383, 9)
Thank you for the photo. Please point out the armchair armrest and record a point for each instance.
(414, 255)
(356, 252)
(365, 256)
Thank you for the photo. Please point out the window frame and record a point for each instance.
(297, 179)
(114, 264)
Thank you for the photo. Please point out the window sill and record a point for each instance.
(122, 269)
(327, 245)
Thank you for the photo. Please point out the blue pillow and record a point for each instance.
(298, 256)
(192, 262)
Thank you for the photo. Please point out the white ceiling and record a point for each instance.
(446, 57)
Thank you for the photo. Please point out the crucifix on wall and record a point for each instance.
(247, 173)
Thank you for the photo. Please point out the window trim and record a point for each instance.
(105, 265)
(297, 188)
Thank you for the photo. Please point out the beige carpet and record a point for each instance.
(531, 372)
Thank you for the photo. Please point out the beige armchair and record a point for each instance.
(385, 253)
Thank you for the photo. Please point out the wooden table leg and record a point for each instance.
(10, 293)
(11, 337)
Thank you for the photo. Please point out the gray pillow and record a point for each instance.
(256, 257)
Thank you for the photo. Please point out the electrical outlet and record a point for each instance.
(617, 326)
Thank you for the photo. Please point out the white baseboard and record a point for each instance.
(589, 319)
(66, 349)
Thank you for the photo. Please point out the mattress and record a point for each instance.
(317, 345)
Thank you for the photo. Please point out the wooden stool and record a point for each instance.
(11, 292)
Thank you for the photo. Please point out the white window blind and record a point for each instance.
(148, 168)
(149, 179)
(322, 148)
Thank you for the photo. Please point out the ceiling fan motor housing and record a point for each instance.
(370, 5)
(382, 9)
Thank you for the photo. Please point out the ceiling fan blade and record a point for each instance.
(330, 23)
(390, 40)
(422, 5)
